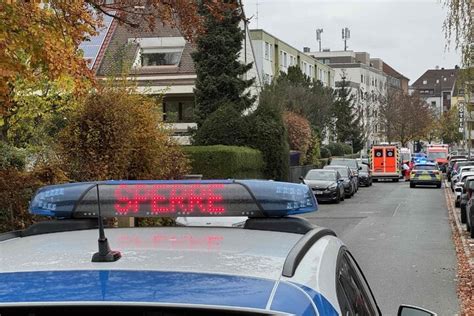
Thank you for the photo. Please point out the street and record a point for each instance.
(401, 238)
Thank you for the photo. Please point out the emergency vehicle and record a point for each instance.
(439, 154)
(276, 264)
(385, 162)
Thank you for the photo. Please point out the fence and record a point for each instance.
(299, 171)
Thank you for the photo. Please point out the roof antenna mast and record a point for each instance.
(104, 254)
(257, 14)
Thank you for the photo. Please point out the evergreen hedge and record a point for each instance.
(223, 162)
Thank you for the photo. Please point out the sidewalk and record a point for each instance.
(465, 253)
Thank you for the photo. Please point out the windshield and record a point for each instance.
(425, 167)
(351, 163)
(365, 168)
(437, 155)
(342, 171)
(321, 175)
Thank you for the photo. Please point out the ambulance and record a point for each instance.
(385, 162)
(439, 154)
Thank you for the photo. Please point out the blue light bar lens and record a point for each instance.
(251, 198)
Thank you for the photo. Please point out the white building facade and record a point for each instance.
(368, 83)
(273, 56)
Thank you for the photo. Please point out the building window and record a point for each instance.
(284, 59)
(433, 104)
(362, 78)
(267, 51)
(425, 82)
(161, 56)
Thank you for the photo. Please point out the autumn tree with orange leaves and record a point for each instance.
(41, 39)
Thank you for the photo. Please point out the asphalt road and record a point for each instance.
(401, 238)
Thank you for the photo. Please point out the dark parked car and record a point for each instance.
(465, 196)
(351, 163)
(365, 175)
(349, 183)
(327, 185)
(470, 210)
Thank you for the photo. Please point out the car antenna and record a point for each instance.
(104, 254)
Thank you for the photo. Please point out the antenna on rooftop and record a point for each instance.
(346, 34)
(256, 15)
(318, 37)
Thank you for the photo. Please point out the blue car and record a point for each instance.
(272, 264)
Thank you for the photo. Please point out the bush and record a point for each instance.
(225, 126)
(16, 190)
(11, 157)
(269, 136)
(325, 152)
(222, 162)
(314, 150)
(339, 149)
(117, 134)
(299, 132)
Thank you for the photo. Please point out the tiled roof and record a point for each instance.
(117, 49)
(431, 77)
(392, 72)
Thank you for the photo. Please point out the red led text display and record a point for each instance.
(169, 199)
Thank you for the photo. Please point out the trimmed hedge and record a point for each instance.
(223, 162)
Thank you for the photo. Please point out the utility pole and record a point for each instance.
(346, 34)
(318, 37)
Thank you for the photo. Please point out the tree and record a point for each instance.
(117, 134)
(405, 117)
(347, 118)
(219, 72)
(459, 24)
(296, 93)
(42, 39)
(269, 135)
(448, 127)
(299, 132)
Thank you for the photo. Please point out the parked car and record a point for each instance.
(451, 164)
(365, 175)
(351, 163)
(327, 185)
(466, 196)
(458, 187)
(458, 174)
(349, 179)
(470, 209)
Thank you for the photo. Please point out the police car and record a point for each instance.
(425, 173)
(276, 264)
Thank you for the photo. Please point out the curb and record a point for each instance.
(465, 258)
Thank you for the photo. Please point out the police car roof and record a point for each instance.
(220, 267)
(233, 251)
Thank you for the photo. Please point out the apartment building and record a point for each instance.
(436, 87)
(272, 56)
(368, 82)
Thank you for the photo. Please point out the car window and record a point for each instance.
(351, 163)
(344, 172)
(425, 167)
(352, 291)
(321, 175)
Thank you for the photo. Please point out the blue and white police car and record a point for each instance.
(272, 264)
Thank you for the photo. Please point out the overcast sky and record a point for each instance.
(406, 34)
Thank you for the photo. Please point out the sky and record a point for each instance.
(406, 34)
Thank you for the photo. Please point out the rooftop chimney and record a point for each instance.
(306, 49)
(437, 67)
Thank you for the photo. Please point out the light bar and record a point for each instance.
(252, 198)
